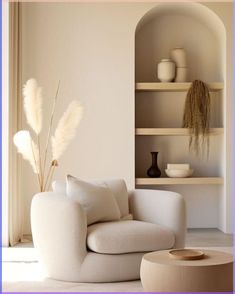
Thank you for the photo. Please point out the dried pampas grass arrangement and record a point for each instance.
(33, 105)
(66, 128)
(28, 149)
(64, 133)
(197, 117)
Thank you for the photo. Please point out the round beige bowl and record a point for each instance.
(161, 273)
(179, 173)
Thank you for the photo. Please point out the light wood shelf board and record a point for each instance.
(176, 87)
(171, 131)
(180, 181)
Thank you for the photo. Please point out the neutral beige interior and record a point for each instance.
(95, 61)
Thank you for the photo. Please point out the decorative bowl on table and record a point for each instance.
(179, 173)
(186, 254)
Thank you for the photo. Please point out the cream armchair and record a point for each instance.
(104, 252)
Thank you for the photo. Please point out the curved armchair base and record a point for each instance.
(103, 268)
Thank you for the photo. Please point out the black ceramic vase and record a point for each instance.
(154, 171)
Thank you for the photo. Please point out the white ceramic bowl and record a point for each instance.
(178, 166)
(179, 173)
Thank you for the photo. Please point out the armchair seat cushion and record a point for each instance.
(128, 236)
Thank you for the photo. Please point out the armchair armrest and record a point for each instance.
(160, 207)
(59, 230)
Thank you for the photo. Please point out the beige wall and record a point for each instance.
(90, 48)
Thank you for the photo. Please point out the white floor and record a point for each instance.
(22, 273)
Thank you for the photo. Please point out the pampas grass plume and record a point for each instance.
(27, 148)
(33, 105)
(66, 129)
(64, 133)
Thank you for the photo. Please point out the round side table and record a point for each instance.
(161, 273)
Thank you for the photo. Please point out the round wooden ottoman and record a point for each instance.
(161, 273)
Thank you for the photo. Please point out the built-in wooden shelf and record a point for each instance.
(171, 131)
(179, 181)
(176, 87)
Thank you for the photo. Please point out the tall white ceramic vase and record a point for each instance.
(178, 55)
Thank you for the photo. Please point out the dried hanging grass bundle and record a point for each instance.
(197, 117)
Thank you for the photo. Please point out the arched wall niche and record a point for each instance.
(201, 32)
(190, 25)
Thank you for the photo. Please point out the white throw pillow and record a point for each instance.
(97, 200)
(117, 186)
(119, 189)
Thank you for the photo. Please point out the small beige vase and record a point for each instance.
(166, 70)
(181, 75)
(178, 55)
